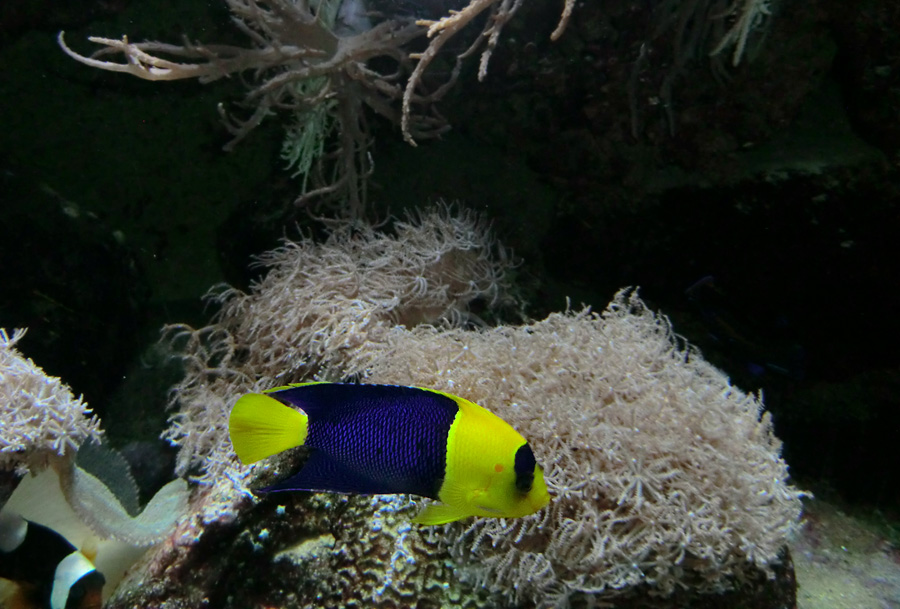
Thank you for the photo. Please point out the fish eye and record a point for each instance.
(524, 468)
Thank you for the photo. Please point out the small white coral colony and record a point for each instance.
(41, 418)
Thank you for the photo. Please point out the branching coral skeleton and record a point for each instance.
(293, 43)
(328, 81)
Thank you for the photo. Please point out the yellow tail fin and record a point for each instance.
(261, 426)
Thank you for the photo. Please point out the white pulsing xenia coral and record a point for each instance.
(320, 306)
(41, 418)
(660, 471)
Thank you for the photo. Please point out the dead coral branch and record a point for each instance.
(220, 60)
(293, 43)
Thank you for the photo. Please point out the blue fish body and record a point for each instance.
(371, 438)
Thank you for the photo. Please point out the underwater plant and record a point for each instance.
(301, 65)
(684, 32)
(45, 426)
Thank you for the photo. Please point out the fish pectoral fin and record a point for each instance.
(440, 513)
(456, 493)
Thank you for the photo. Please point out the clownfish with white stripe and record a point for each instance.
(386, 439)
(50, 572)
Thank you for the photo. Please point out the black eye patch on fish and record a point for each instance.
(524, 467)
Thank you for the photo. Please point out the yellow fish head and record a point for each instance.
(497, 497)
(491, 471)
(511, 493)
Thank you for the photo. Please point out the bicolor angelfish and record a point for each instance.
(50, 572)
(384, 439)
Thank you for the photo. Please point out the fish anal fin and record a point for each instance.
(323, 474)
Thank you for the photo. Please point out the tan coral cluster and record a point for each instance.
(320, 306)
(300, 60)
(661, 471)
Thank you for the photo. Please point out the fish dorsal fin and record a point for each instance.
(321, 473)
(335, 400)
